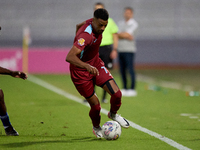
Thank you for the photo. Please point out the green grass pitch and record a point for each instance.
(48, 121)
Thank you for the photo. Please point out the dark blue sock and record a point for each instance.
(5, 120)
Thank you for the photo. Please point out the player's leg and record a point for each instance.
(111, 87)
(106, 81)
(95, 115)
(85, 86)
(5, 118)
(2, 104)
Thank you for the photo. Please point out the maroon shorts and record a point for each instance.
(84, 81)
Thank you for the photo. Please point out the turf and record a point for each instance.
(46, 120)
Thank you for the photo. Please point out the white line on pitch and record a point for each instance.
(104, 111)
(166, 84)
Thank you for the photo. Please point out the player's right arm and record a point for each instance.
(72, 58)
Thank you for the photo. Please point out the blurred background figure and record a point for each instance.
(126, 50)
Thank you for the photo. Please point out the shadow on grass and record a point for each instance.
(40, 141)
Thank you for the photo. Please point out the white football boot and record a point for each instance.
(97, 132)
(122, 121)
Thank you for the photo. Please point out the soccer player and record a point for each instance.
(3, 111)
(108, 46)
(87, 70)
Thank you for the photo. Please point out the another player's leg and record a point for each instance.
(95, 115)
(104, 100)
(115, 101)
(5, 118)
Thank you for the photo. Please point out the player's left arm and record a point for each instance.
(16, 74)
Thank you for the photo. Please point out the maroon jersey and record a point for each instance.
(88, 42)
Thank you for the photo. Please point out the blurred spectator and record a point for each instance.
(126, 50)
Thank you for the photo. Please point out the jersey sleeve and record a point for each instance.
(82, 40)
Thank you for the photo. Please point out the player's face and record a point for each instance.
(99, 25)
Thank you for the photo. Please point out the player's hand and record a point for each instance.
(92, 70)
(18, 74)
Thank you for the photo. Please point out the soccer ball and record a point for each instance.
(111, 130)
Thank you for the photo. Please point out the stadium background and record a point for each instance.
(168, 34)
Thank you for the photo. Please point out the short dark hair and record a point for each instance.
(101, 13)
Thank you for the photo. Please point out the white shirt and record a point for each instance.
(130, 27)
